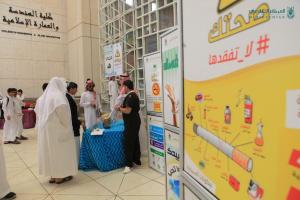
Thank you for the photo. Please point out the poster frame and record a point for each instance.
(148, 143)
(157, 114)
(199, 190)
(167, 126)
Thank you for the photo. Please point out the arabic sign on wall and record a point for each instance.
(241, 100)
(172, 165)
(113, 59)
(156, 143)
(28, 22)
(153, 81)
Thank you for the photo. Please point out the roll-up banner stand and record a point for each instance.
(156, 143)
(173, 104)
(172, 80)
(154, 107)
(242, 98)
(172, 141)
(153, 84)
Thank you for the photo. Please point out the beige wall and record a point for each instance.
(83, 41)
(28, 61)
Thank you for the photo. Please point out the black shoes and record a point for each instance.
(12, 142)
(138, 163)
(9, 196)
(22, 138)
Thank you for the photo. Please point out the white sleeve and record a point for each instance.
(99, 106)
(110, 88)
(4, 107)
(83, 103)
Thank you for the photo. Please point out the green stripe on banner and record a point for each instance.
(157, 152)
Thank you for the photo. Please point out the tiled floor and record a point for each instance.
(21, 163)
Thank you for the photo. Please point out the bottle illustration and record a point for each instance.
(227, 115)
(154, 74)
(259, 137)
(248, 108)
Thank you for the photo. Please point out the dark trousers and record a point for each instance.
(132, 144)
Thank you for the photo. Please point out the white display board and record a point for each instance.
(172, 78)
(113, 59)
(241, 97)
(156, 143)
(153, 80)
(172, 165)
(108, 52)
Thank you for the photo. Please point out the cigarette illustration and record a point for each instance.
(237, 156)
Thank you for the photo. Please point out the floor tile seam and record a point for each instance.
(47, 197)
(158, 182)
(89, 195)
(124, 175)
(98, 177)
(28, 167)
(145, 176)
(134, 188)
(57, 189)
(105, 187)
(142, 195)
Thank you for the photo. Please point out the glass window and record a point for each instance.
(166, 18)
(151, 44)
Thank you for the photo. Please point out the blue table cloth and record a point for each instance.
(103, 152)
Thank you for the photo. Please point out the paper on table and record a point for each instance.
(97, 131)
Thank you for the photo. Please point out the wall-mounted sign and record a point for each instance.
(28, 22)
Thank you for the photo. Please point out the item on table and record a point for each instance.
(106, 119)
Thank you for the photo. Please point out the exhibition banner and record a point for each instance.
(156, 143)
(153, 80)
(108, 60)
(172, 78)
(113, 60)
(173, 165)
(242, 97)
(118, 59)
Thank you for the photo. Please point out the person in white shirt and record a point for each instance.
(112, 92)
(10, 114)
(90, 102)
(56, 144)
(20, 95)
(5, 192)
(19, 103)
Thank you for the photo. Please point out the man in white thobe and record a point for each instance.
(10, 114)
(112, 92)
(56, 145)
(90, 102)
(19, 103)
(5, 192)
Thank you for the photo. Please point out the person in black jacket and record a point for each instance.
(72, 90)
(132, 121)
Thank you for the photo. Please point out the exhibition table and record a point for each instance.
(29, 119)
(103, 152)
